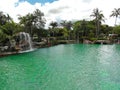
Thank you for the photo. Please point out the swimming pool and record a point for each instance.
(63, 67)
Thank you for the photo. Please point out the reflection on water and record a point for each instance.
(63, 67)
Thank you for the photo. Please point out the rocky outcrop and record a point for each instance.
(87, 42)
(102, 42)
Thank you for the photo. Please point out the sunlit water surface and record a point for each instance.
(63, 67)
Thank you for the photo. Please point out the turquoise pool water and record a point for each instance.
(63, 67)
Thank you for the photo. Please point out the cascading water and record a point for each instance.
(25, 42)
(29, 40)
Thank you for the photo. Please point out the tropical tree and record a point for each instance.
(39, 20)
(23, 22)
(77, 30)
(98, 17)
(8, 18)
(116, 14)
(33, 22)
(117, 29)
(68, 25)
(3, 36)
(54, 25)
(4, 18)
(7, 28)
(84, 27)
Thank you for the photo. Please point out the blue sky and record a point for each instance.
(39, 1)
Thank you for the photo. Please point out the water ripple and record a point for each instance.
(63, 67)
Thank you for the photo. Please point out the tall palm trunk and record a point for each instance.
(115, 21)
(98, 17)
(98, 29)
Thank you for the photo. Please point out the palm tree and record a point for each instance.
(54, 25)
(33, 21)
(8, 18)
(39, 20)
(2, 18)
(97, 14)
(23, 20)
(116, 14)
(83, 27)
(67, 25)
(27, 23)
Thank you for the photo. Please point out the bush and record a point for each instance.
(93, 39)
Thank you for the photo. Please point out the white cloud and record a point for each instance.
(61, 9)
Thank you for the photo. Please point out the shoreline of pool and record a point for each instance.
(101, 42)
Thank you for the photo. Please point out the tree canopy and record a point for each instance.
(34, 24)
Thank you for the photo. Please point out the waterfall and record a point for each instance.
(25, 41)
(29, 41)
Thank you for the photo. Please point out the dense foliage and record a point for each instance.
(34, 24)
